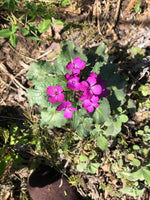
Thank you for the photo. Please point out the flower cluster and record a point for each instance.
(89, 91)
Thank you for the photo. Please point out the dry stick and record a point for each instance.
(115, 18)
(131, 5)
(6, 85)
(32, 59)
(47, 52)
(98, 12)
(17, 83)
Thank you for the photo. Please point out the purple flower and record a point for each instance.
(90, 104)
(90, 87)
(73, 81)
(76, 65)
(66, 106)
(55, 94)
(69, 76)
(105, 92)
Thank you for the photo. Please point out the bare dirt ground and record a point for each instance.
(117, 27)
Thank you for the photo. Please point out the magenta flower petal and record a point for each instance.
(53, 99)
(69, 76)
(105, 93)
(50, 90)
(91, 81)
(76, 71)
(68, 114)
(61, 107)
(66, 106)
(76, 65)
(60, 97)
(73, 109)
(78, 62)
(90, 109)
(90, 104)
(93, 74)
(96, 89)
(73, 83)
(55, 94)
(86, 103)
(83, 85)
(70, 66)
(58, 88)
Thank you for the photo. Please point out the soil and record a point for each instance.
(129, 30)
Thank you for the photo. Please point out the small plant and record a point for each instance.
(145, 89)
(22, 19)
(137, 7)
(65, 2)
(10, 33)
(77, 100)
(83, 97)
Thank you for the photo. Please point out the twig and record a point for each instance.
(113, 25)
(3, 82)
(32, 59)
(131, 5)
(61, 180)
(17, 83)
(41, 56)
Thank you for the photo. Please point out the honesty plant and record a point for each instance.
(89, 91)
(73, 87)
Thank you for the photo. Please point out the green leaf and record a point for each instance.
(145, 89)
(132, 192)
(69, 51)
(137, 50)
(44, 26)
(97, 67)
(131, 106)
(64, 2)
(25, 31)
(142, 174)
(5, 134)
(5, 33)
(83, 158)
(92, 167)
(52, 118)
(13, 28)
(39, 70)
(85, 126)
(100, 51)
(2, 167)
(93, 155)
(114, 127)
(102, 113)
(115, 84)
(146, 174)
(77, 118)
(136, 162)
(136, 147)
(13, 40)
(130, 156)
(137, 7)
(123, 118)
(37, 95)
(59, 22)
(3, 164)
(102, 143)
(81, 167)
